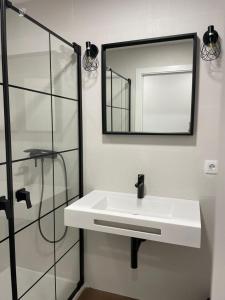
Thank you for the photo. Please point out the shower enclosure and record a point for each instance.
(118, 89)
(40, 160)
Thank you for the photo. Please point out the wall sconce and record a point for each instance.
(211, 48)
(90, 60)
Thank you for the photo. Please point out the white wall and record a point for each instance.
(172, 165)
(218, 287)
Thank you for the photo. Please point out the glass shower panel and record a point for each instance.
(31, 126)
(127, 120)
(5, 279)
(71, 235)
(65, 116)
(28, 54)
(117, 119)
(123, 119)
(36, 176)
(116, 91)
(34, 255)
(43, 289)
(66, 177)
(5, 273)
(2, 127)
(3, 193)
(64, 69)
(125, 93)
(108, 87)
(44, 108)
(109, 114)
(66, 167)
(0, 61)
(67, 273)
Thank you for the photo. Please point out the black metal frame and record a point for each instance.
(5, 4)
(8, 148)
(135, 244)
(143, 42)
(129, 97)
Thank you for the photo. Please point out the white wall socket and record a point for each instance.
(211, 167)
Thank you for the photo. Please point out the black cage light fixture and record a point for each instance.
(90, 60)
(211, 48)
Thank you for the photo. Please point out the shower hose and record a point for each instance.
(41, 200)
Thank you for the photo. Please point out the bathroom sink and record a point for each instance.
(169, 220)
(131, 205)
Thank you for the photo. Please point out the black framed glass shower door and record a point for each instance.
(5, 272)
(44, 101)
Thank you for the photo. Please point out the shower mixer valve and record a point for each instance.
(40, 154)
(4, 205)
(23, 195)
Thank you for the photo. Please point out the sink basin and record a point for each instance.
(168, 220)
(133, 206)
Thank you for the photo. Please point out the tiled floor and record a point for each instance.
(91, 294)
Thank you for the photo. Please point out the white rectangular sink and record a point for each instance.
(168, 220)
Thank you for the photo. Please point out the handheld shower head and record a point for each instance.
(41, 154)
(36, 153)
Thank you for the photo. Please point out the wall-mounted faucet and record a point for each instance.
(140, 186)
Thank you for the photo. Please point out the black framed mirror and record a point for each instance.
(148, 86)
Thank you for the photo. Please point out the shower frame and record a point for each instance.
(5, 4)
(128, 80)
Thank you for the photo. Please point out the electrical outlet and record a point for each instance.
(211, 167)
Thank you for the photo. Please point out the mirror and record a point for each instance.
(148, 86)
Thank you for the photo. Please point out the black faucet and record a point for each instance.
(140, 186)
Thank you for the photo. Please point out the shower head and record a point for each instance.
(36, 153)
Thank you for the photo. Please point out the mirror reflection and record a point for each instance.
(148, 87)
